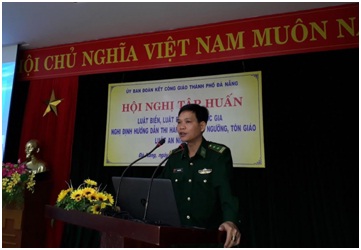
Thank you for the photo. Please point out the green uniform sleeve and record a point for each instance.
(223, 182)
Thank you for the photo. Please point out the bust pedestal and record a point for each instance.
(11, 230)
(27, 227)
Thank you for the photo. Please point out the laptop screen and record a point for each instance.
(162, 208)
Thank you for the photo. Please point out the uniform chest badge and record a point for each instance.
(177, 170)
(205, 171)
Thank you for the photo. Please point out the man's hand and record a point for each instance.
(233, 235)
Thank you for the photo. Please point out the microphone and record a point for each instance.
(160, 143)
(174, 151)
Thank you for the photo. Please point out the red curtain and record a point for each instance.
(55, 133)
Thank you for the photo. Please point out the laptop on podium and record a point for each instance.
(162, 208)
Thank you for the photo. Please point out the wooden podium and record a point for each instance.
(117, 232)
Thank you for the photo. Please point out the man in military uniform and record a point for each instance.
(201, 176)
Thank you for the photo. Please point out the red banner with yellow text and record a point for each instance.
(323, 29)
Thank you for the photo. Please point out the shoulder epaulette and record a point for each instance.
(217, 147)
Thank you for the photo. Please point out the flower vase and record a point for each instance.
(12, 217)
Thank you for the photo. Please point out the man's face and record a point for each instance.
(29, 149)
(188, 127)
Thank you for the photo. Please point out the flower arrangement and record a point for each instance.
(88, 197)
(16, 179)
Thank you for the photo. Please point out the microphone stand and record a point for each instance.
(180, 148)
(160, 143)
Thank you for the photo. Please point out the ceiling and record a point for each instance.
(44, 24)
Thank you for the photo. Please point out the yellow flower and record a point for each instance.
(77, 195)
(9, 188)
(63, 194)
(95, 209)
(93, 197)
(101, 197)
(15, 180)
(110, 198)
(87, 192)
(5, 182)
(90, 182)
(87, 198)
(31, 183)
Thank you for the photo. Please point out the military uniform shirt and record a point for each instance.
(202, 185)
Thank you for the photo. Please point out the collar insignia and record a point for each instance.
(203, 152)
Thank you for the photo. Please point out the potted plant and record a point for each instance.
(88, 197)
(16, 180)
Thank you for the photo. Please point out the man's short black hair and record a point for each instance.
(201, 112)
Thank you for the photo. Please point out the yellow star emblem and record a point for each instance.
(52, 103)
